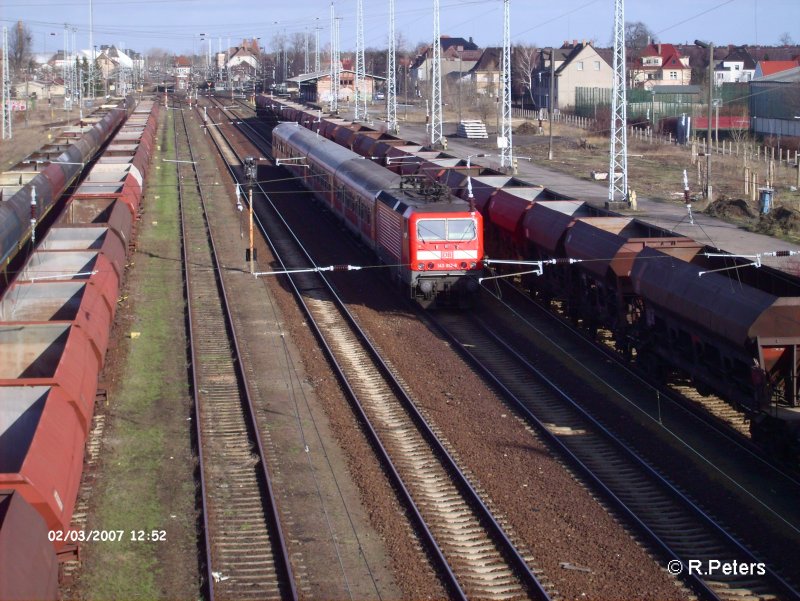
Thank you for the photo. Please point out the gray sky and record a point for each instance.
(176, 24)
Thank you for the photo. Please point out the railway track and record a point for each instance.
(771, 484)
(670, 522)
(475, 557)
(246, 557)
(696, 541)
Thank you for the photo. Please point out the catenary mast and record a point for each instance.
(437, 136)
(391, 72)
(506, 147)
(618, 157)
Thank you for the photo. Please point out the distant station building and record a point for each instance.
(183, 72)
(316, 87)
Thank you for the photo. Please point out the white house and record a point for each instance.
(737, 66)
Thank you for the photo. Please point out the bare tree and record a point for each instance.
(523, 65)
(638, 35)
(158, 57)
(20, 48)
(785, 39)
(297, 51)
(740, 135)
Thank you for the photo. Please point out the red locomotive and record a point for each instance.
(431, 240)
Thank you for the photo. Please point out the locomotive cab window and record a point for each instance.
(431, 229)
(461, 229)
(454, 230)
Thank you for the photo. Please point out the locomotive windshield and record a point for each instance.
(454, 230)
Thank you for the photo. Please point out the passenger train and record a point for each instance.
(431, 240)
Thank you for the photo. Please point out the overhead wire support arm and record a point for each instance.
(310, 270)
(538, 265)
(756, 259)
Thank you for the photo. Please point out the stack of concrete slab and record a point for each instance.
(472, 129)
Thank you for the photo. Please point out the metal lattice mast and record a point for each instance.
(618, 158)
(66, 73)
(338, 59)
(436, 81)
(305, 63)
(334, 61)
(6, 95)
(316, 49)
(506, 149)
(75, 69)
(91, 50)
(360, 75)
(391, 72)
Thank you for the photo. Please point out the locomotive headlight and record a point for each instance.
(431, 265)
(463, 264)
(473, 265)
(421, 266)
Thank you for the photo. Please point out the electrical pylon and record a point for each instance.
(437, 136)
(506, 147)
(334, 68)
(391, 72)
(6, 95)
(316, 49)
(618, 158)
(360, 79)
(305, 56)
(65, 71)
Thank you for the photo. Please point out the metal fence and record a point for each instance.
(775, 100)
(644, 105)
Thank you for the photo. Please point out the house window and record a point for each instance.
(579, 65)
(736, 67)
(673, 75)
(596, 65)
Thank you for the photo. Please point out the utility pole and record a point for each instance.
(551, 100)
(618, 157)
(437, 135)
(6, 94)
(460, 75)
(506, 147)
(391, 72)
(710, 46)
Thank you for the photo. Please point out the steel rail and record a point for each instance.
(272, 515)
(692, 409)
(693, 579)
(532, 582)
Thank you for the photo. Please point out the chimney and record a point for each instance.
(574, 43)
(470, 40)
(659, 49)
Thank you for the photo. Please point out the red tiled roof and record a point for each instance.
(670, 57)
(772, 67)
